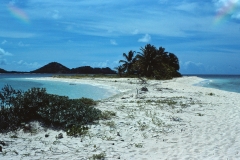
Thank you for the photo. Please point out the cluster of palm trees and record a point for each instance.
(150, 62)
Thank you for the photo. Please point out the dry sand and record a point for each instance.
(172, 120)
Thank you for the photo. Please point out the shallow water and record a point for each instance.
(72, 90)
(223, 82)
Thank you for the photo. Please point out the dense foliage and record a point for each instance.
(19, 107)
(90, 70)
(150, 62)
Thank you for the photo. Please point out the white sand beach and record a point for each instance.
(173, 120)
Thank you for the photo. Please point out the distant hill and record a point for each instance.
(90, 70)
(55, 67)
(52, 67)
(3, 71)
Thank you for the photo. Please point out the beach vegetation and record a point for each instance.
(157, 121)
(139, 145)
(130, 115)
(127, 64)
(211, 94)
(77, 131)
(108, 138)
(111, 124)
(142, 125)
(106, 115)
(144, 134)
(18, 107)
(199, 114)
(150, 62)
(120, 108)
(99, 156)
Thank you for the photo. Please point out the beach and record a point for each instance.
(156, 119)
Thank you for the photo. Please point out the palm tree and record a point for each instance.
(119, 70)
(163, 55)
(173, 61)
(151, 62)
(128, 63)
(147, 60)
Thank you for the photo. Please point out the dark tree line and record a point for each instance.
(150, 62)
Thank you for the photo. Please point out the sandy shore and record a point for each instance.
(172, 120)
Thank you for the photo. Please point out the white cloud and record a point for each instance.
(32, 65)
(4, 53)
(113, 42)
(236, 16)
(55, 14)
(190, 63)
(136, 31)
(225, 4)
(190, 67)
(21, 44)
(100, 64)
(145, 38)
(3, 62)
(4, 42)
(187, 7)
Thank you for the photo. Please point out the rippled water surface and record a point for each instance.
(72, 90)
(223, 82)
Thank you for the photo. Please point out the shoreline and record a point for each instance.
(172, 120)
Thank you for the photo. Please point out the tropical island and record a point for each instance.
(150, 62)
(156, 114)
(57, 68)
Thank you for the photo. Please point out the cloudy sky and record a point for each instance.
(204, 34)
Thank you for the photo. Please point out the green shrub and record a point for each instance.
(105, 115)
(88, 101)
(99, 156)
(36, 104)
(77, 131)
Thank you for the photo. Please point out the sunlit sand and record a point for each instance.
(171, 120)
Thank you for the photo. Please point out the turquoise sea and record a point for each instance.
(76, 90)
(19, 81)
(229, 83)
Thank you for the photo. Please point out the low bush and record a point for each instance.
(77, 131)
(19, 107)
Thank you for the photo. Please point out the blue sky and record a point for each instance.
(205, 35)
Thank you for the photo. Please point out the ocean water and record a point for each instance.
(229, 83)
(76, 90)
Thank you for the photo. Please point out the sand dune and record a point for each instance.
(172, 120)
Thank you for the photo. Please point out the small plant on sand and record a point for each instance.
(150, 114)
(183, 105)
(108, 138)
(211, 94)
(14, 136)
(77, 131)
(142, 125)
(120, 108)
(157, 121)
(111, 124)
(141, 107)
(144, 134)
(149, 101)
(199, 114)
(138, 145)
(130, 115)
(107, 115)
(99, 156)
